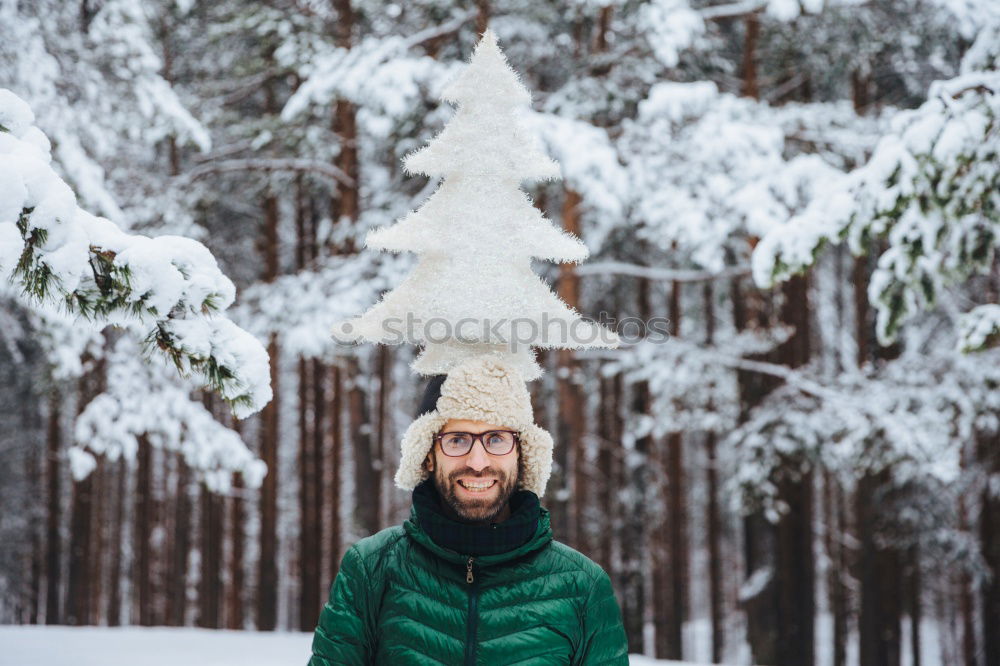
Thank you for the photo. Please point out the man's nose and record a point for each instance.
(477, 458)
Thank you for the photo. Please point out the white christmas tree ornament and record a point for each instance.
(473, 290)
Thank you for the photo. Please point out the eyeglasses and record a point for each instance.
(495, 442)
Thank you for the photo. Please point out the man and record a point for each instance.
(474, 576)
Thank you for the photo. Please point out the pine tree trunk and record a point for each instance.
(267, 566)
(237, 517)
(609, 444)
(571, 423)
(383, 370)
(879, 577)
(750, 87)
(53, 550)
(715, 581)
(311, 393)
(670, 574)
(989, 538)
(880, 580)
(759, 543)
(116, 546)
(965, 598)
(333, 470)
(677, 506)
(142, 525)
(35, 555)
(795, 571)
(78, 597)
(179, 547)
(915, 584)
(366, 463)
(635, 528)
(210, 585)
(834, 543)
(267, 574)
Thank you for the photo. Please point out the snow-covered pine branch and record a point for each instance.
(168, 287)
(930, 190)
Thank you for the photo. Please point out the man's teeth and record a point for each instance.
(469, 485)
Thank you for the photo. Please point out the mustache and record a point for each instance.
(482, 474)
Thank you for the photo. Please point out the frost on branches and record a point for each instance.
(145, 400)
(931, 190)
(169, 288)
(473, 290)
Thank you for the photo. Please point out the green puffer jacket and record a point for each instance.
(401, 599)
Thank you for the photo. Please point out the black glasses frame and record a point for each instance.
(477, 436)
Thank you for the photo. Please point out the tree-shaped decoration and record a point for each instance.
(473, 290)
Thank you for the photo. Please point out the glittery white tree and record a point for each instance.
(473, 290)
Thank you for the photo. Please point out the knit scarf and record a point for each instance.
(475, 540)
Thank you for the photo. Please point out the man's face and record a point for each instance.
(459, 480)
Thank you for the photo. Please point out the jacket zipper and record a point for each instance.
(473, 618)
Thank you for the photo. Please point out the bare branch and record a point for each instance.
(314, 167)
(652, 273)
(731, 10)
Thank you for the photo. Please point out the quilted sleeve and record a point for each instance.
(344, 633)
(603, 638)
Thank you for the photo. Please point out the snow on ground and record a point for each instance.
(165, 646)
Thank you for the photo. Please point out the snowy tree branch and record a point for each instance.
(298, 165)
(169, 288)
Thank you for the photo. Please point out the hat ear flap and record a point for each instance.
(417, 443)
(536, 449)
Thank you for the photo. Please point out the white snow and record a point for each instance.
(168, 646)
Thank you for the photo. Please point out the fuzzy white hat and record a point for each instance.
(481, 388)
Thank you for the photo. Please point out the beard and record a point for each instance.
(474, 509)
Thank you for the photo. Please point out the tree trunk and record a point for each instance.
(35, 555)
(367, 466)
(267, 566)
(210, 585)
(482, 16)
(78, 598)
(237, 517)
(915, 585)
(570, 521)
(989, 537)
(267, 575)
(383, 370)
(116, 546)
(634, 531)
(609, 443)
(670, 575)
(141, 528)
(311, 376)
(879, 577)
(180, 545)
(715, 582)
(795, 560)
(749, 83)
(53, 550)
(758, 535)
(333, 470)
(834, 543)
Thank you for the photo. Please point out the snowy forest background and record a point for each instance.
(807, 471)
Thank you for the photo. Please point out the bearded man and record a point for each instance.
(474, 575)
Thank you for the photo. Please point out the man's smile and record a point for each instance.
(477, 486)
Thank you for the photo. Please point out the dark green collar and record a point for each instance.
(526, 530)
